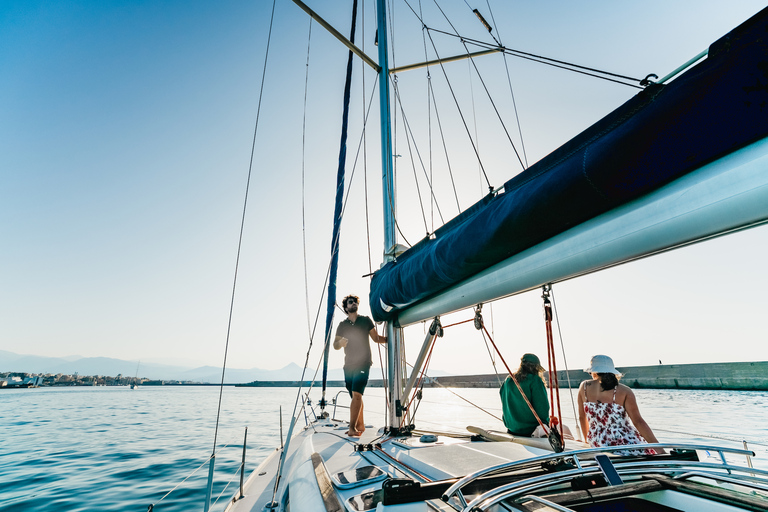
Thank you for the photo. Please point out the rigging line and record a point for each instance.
(303, 190)
(722, 438)
(445, 147)
(530, 56)
(394, 217)
(429, 122)
(565, 360)
(540, 58)
(185, 479)
(509, 81)
(432, 202)
(434, 381)
(365, 146)
(409, 132)
(391, 27)
(390, 176)
(493, 361)
(420, 385)
(461, 114)
(242, 227)
(383, 377)
(365, 177)
(474, 121)
(338, 197)
(359, 146)
(419, 382)
(490, 98)
(477, 149)
(317, 369)
(517, 384)
(413, 164)
(434, 100)
(334, 248)
(493, 104)
(328, 270)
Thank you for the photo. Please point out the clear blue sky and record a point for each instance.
(125, 143)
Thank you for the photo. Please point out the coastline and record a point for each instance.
(742, 376)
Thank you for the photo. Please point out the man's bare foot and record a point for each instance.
(353, 433)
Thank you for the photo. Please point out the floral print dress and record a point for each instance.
(610, 426)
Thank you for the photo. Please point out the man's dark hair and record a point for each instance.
(344, 301)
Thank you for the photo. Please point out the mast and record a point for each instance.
(394, 335)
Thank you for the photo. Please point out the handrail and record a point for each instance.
(574, 455)
(514, 489)
(553, 506)
(336, 402)
(748, 483)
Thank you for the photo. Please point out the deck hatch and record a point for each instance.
(359, 476)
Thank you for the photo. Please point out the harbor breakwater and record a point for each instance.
(724, 376)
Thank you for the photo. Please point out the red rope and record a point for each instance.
(458, 323)
(515, 381)
(554, 386)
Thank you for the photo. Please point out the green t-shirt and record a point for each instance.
(518, 417)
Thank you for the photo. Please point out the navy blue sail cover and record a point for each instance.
(662, 133)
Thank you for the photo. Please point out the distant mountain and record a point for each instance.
(12, 362)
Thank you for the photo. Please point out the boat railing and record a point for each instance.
(520, 491)
(336, 402)
(585, 465)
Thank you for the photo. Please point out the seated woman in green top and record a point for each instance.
(518, 417)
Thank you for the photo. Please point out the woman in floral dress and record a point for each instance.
(605, 408)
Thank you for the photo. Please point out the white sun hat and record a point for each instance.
(602, 364)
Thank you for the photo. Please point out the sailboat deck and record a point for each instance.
(451, 458)
(327, 470)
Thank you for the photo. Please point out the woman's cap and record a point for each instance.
(602, 364)
(530, 358)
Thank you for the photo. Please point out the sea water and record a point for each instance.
(117, 449)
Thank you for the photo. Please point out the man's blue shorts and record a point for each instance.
(356, 379)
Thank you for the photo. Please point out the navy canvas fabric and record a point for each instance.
(661, 134)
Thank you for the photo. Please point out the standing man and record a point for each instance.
(352, 334)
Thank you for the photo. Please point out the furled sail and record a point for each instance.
(660, 135)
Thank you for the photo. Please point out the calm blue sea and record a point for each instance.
(113, 448)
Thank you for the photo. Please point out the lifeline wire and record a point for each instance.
(242, 226)
(303, 205)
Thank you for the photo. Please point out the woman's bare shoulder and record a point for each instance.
(623, 392)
